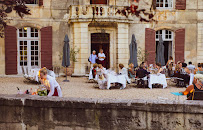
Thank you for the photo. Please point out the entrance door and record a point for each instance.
(101, 41)
(167, 37)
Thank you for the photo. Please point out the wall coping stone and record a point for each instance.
(174, 106)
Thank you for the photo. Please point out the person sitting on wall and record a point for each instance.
(197, 86)
(131, 72)
(50, 83)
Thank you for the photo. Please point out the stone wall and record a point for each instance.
(33, 112)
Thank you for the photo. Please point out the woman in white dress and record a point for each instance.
(50, 83)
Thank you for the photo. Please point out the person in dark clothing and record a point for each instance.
(141, 72)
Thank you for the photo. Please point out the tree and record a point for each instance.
(143, 14)
(7, 6)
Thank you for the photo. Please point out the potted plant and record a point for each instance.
(73, 59)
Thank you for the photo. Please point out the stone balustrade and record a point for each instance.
(89, 12)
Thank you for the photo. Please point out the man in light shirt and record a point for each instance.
(191, 67)
(92, 58)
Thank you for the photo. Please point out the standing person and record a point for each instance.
(50, 83)
(169, 65)
(92, 58)
(101, 57)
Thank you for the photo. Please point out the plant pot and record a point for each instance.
(70, 69)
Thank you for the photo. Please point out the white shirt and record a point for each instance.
(101, 55)
(191, 67)
(53, 84)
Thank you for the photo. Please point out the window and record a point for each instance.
(28, 47)
(166, 35)
(164, 3)
(32, 1)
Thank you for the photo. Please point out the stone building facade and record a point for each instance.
(37, 39)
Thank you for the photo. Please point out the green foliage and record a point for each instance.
(142, 55)
(73, 54)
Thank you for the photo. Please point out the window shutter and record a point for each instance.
(150, 46)
(46, 47)
(98, 2)
(11, 50)
(181, 4)
(40, 2)
(179, 45)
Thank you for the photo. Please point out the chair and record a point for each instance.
(25, 73)
(198, 95)
(142, 82)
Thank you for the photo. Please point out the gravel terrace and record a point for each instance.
(78, 87)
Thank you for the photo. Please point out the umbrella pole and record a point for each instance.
(66, 77)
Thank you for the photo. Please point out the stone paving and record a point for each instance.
(79, 88)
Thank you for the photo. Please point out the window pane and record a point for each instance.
(32, 58)
(25, 63)
(25, 42)
(21, 35)
(32, 47)
(32, 42)
(36, 43)
(25, 34)
(32, 52)
(36, 58)
(170, 36)
(36, 63)
(36, 47)
(32, 63)
(21, 63)
(32, 35)
(36, 52)
(36, 34)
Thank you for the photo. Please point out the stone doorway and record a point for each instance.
(101, 41)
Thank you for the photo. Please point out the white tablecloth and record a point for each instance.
(160, 79)
(111, 78)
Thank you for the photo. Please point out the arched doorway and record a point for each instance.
(167, 37)
(101, 41)
(28, 48)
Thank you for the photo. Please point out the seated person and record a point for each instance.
(159, 68)
(199, 69)
(177, 69)
(184, 73)
(141, 72)
(50, 83)
(94, 70)
(195, 87)
(124, 71)
(131, 72)
(101, 72)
